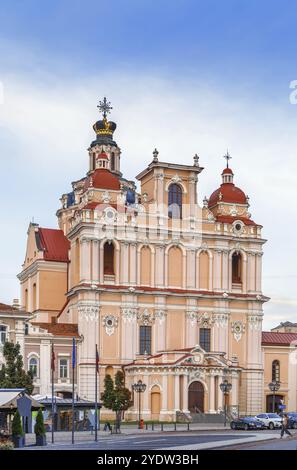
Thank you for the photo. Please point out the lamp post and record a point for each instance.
(139, 387)
(225, 387)
(274, 387)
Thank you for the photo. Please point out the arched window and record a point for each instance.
(109, 259)
(33, 366)
(112, 161)
(236, 268)
(175, 197)
(275, 371)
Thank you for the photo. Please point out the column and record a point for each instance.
(211, 394)
(159, 267)
(225, 274)
(88, 325)
(234, 391)
(146, 411)
(185, 395)
(125, 263)
(190, 269)
(220, 394)
(45, 367)
(176, 393)
(164, 407)
(95, 260)
(85, 260)
(217, 274)
(132, 263)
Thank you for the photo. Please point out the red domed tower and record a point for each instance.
(229, 203)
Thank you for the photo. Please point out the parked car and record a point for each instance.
(247, 423)
(270, 420)
(292, 423)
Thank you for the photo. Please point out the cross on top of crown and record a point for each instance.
(104, 106)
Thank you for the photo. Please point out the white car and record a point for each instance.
(270, 420)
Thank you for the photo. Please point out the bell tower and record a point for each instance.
(104, 143)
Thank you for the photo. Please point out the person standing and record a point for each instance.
(284, 428)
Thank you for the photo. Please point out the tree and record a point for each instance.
(39, 427)
(17, 428)
(116, 396)
(12, 374)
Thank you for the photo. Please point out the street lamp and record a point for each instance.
(225, 387)
(139, 387)
(274, 387)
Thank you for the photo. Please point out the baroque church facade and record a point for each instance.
(168, 290)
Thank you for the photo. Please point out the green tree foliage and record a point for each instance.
(116, 396)
(17, 428)
(12, 374)
(39, 427)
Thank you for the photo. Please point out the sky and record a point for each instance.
(185, 76)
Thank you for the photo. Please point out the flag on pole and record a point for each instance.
(73, 353)
(97, 360)
(73, 367)
(53, 358)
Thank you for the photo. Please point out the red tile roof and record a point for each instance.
(102, 179)
(54, 244)
(59, 329)
(229, 193)
(228, 219)
(7, 308)
(270, 338)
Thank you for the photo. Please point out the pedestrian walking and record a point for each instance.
(284, 428)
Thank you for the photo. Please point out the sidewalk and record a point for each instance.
(80, 436)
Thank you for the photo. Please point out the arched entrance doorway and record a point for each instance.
(155, 402)
(269, 403)
(196, 397)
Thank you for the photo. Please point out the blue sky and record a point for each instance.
(186, 76)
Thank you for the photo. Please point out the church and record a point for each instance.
(168, 290)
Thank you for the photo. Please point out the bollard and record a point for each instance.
(175, 426)
(161, 426)
(188, 426)
(146, 426)
(152, 426)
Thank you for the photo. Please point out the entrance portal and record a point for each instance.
(196, 397)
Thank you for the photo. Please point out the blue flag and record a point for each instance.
(73, 353)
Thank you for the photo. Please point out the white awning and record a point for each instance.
(7, 396)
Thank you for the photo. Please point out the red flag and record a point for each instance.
(53, 357)
(97, 360)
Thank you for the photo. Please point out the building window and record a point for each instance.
(204, 339)
(109, 258)
(112, 162)
(63, 368)
(145, 339)
(3, 334)
(275, 371)
(26, 328)
(33, 366)
(175, 201)
(236, 268)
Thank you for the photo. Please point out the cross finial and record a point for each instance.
(227, 157)
(104, 107)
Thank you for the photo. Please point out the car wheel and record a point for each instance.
(271, 426)
(295, 425)
(246, 427)
(233, 426)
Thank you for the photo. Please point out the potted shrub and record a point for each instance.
(18, 436)
(39, 430)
